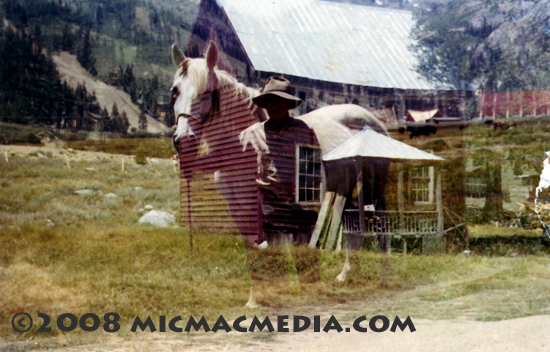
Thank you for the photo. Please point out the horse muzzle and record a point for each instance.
(192, 121)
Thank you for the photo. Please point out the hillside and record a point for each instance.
(73, 73)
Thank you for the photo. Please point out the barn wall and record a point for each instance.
(233, 205)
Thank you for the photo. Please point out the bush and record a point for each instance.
(141, 155)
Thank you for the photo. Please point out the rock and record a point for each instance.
(84, 192)
(110, 195)
(148, 207)
(262, 245)
(158, 218)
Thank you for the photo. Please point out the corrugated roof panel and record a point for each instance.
(328, 41)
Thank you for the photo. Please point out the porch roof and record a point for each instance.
(371, 144)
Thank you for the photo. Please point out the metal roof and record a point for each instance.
(328, 41)
(371, 144)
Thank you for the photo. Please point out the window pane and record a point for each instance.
(309, 174)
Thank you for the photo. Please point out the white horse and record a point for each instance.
(333, 125)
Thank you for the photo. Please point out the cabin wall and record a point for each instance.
(231, 205)
(282, 215)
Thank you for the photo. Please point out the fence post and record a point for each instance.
(401, 200)
(507, 103)
(494, 104)
(439, 205)
(534, 99)
(360, 200)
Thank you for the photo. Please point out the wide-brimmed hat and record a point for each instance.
(280, 87)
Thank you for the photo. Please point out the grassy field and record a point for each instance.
(61, 252)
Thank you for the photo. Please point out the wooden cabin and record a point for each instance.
(220, 191)
(223, 192)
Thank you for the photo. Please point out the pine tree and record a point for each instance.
(105, 121)
(128, 78)
(114, 112)
(84, 53)
(67, 39)
(122, 123)
(142, 122)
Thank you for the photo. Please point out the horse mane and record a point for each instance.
(203, 80)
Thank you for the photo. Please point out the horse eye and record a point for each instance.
(175, 94)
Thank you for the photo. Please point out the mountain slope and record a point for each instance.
(71, 71)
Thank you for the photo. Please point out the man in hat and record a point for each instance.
(276, 141)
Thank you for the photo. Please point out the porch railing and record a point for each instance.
(392, 222)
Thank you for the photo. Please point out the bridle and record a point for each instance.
(209, 105)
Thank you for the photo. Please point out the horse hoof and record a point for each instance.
(341, 277)
(251, 304)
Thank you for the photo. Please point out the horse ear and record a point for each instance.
(177, 55)
(212, 55)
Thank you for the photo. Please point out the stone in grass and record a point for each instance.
(110, 195)
(84, 192)
(148, 207)
(158, 218)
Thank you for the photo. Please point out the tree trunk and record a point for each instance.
(493, 210)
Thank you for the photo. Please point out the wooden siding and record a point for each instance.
(281, 214)
(230, 207)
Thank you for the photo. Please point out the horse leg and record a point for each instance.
(229, 191)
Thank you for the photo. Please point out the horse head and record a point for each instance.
(194, 79)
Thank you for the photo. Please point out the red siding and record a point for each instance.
(233, 206)
(515, 104)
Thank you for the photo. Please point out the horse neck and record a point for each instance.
(233, 95)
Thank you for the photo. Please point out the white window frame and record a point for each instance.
(430, 185)
(321, 177)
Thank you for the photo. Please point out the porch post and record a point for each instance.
(401, 200)
(439, 204)
(359, 169)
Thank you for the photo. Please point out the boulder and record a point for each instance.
(83, 192)
(158, 218)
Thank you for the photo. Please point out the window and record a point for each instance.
(308, 174)
(422, 184)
